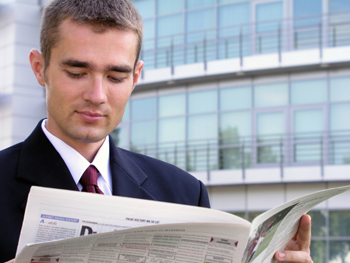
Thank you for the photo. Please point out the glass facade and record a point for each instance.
(291, 122)
(191, 31)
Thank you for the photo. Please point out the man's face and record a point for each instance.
(88, 82)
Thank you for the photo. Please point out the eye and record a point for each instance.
(115, 80)
(74, 75)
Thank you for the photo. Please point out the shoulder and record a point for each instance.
(169, 181)
(10, 155)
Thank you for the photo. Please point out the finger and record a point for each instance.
(11, 261)
(304, 233)
(293, 256)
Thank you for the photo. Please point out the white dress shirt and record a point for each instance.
(77, 164)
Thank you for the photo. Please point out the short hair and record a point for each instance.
(101, 14)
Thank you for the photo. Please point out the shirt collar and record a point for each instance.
(75, 162)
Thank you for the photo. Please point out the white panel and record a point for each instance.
(5, 143)
(337, 172)
(9, 32)
(302, 173)
(341, 201)
(21, 56)
(171, 90)
(156, 75)
(336, 54)
(190, 70)
(264, 197)
(34, 91)
(223, 66)
(7, 54)
(228, 198)
(303, 57)
(6, 78)
(260, 62)
(224, 177)
(263, 175)
(6, 127)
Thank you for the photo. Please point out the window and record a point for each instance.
(167, 7)
(271, 95)
(145, 8)
(235, 98)
(143, 108)
(196, 4)
(202, 101)
(340, 89)
(120, 137)
(267, 17)
(143, 133)
(308, 92)
(172, 105)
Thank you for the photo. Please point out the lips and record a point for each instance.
(89, 116)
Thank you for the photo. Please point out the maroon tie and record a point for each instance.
(89, 180)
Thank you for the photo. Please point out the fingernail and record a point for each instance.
(282, 255)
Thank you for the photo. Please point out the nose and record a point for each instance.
(96, 92)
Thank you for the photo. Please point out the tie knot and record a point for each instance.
(89, 180)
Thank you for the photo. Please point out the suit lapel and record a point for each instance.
(127, 176)
(40, 164)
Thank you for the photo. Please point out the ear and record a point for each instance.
(137, 72)
(37, 63)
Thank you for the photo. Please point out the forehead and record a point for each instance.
(83, 41)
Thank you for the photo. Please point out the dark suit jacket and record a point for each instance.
(36, 162)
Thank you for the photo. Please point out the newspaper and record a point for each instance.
(96, 228)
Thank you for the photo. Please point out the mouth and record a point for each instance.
(89, 116)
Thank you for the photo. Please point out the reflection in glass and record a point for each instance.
(309, 91)
(339, 223)
(339, 252)
(142, 133)
(340, 152)
(234, 125)
(235, 98)
(145, 8)
(120, 137)
(270, 129)
(318, 251)
(268, 16)
(171, 130)
(172, 105)
(143, 108)
(196, 4)
(232, 21)
(340, 89)
(308, 127)
(318, 226)
(202, 142)
(166, 6)
(340, 124)
(202, 101)
(271, 95)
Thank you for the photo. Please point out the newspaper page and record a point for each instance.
(187, 242)
(53, 214)
(272, 230)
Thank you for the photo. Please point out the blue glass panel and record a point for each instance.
(267, 16)
(143, 133)
(120, 136)
(145, 8)
(143, 108)
(235, 98)
(228, 1)
(169, 25)
(308, 121)
(270, 124)
(271, 95)
(199, 3)
(339, 5)
(172, 105)
(202, 101)
(308, 91)
(200, 20)
(167, 7)
(172, 130)
(126, 115)
(202, 127)
(340, 117)
(306, 8)
(340, 89)
(235, 124)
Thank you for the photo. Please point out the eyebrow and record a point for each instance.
(83, 64)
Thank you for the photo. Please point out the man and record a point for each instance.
(89, 67)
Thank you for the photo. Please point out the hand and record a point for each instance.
(11, 261)
(298, 248)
